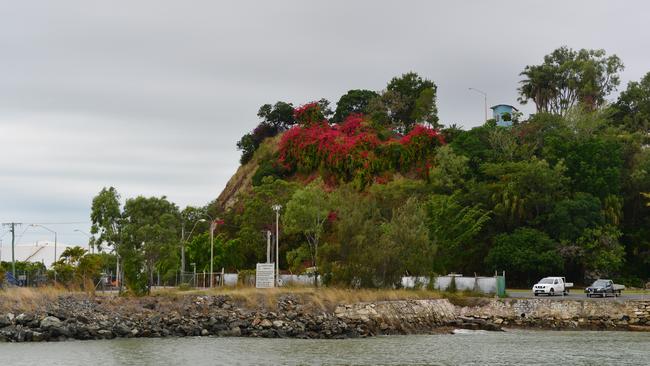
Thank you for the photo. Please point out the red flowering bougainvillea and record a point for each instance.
(352, 151)
(419, 146)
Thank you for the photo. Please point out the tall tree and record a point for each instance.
(306, 214)
(354, 101)
(279, 115)
(150, 231)
(453, 228)
(632, 109)
(408, 99)
(105, 216)
(567, 77)
(405, 245)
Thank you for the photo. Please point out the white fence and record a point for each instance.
(486, 285)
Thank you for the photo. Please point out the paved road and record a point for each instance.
(579, 295)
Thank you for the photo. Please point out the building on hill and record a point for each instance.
(503, 114)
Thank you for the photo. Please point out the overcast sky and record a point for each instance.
(151, 96)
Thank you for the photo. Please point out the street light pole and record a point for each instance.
(484, 99)
(277, 209)
(184, 239)
(213, 226)
(91, 248)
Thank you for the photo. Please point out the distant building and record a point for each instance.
(503, 114)
(41, 251)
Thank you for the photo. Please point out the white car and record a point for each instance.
(552, 286)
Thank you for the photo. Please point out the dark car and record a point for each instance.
(604, 288)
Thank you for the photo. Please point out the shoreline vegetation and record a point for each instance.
(52, 314)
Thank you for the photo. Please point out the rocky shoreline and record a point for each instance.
(84, 318)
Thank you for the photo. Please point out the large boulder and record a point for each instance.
(50, 322)
(6, 320)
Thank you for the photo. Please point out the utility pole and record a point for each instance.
(213, 225)
(183, 247)
(277, 209)
(268, 246)
(12, 228)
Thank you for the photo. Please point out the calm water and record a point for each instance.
(510, 348)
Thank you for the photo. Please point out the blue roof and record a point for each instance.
(505, 105)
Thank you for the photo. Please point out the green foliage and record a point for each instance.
(405, 245)
(522, 191)
(594, 164)
(150, 233)
(603, 254)
(354, 101)
(525, 254)
(567, 77)
(571, 216)
(632, 109)
(72, 255)
(408, 100)
(297, 257)
(268, 168)
(105, 216)
(419, 100)
(368, 250)
(226, 253)
(257, 216)
(306, 214)
(279, 115)
(453, 228)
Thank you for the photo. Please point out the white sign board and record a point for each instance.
(265, 275)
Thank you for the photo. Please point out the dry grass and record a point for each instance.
(26, 298)
(325, 299)
(320, 299)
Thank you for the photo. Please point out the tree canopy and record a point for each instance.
(567, 77)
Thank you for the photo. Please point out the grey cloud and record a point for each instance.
(151, 96)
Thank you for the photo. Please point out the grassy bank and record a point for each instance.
(325, 299)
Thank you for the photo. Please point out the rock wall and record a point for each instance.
(73, 317)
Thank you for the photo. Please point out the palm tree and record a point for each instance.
(72, 255)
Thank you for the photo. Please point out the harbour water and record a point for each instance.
(516, 347)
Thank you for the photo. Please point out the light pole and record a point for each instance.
(184, 239)
(277, 209)
(484, 99)
(213, 226)
(91, 248)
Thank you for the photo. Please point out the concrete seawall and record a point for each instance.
(563, 314)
